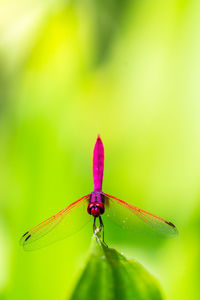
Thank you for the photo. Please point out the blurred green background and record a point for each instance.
(129, 70)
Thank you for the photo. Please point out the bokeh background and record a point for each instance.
(129, 70)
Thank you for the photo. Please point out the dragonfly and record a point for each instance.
(94, 206)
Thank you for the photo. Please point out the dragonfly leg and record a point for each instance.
(99, 229)
(102, 228)
(94, 226)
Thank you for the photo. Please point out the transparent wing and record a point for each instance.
(63, 224)
(135, 219)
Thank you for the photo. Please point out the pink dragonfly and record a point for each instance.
(97, 203)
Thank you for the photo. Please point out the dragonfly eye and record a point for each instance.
(95, 209)
(101, 207)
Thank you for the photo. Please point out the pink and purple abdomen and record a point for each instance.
(98, 165)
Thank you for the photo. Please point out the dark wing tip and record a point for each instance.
(171, 224)
(25, 234)
(27, 237)
(24, 238)
(174, 229)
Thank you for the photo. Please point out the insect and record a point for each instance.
(94, 205)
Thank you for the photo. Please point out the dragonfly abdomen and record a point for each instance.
(98, 164)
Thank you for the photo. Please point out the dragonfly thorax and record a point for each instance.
(96, 209)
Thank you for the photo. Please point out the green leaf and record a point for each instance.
(108, 275)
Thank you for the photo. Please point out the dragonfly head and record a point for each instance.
(95, 209)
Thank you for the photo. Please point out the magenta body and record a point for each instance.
(98, 165)
(96, 202)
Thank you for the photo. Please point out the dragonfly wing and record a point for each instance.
(63, 224)
(135, 219)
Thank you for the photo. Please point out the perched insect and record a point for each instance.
(97, 203)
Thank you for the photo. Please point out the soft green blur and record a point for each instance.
(69, 70)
